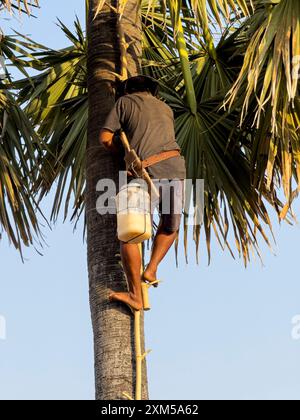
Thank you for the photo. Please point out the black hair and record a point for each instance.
(137, 84)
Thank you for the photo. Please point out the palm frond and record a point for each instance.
(18, 145)
(204, 139)
(267, 91)
(231, 202)
(20, 148)
(216, 148)
(206, 11)
(215, 10)
(10, 5)
(57, 104)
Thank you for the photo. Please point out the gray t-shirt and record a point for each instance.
(149, 126)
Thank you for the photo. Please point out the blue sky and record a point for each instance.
(217, 332)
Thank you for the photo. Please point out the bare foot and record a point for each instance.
(129, 299)
(150, 276)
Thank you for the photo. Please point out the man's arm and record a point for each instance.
(106, 138)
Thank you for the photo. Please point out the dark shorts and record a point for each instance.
(170, 204)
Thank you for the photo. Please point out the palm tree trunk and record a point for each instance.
(112, 323)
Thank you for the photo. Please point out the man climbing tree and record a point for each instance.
(149, 125)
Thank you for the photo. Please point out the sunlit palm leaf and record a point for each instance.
(267, 90)
(220, 10)
(19, 151)
(159, 46)
(10, 5)
(214, 10)
(58, 106)
(18, 145)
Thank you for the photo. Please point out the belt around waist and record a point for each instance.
(160, 157)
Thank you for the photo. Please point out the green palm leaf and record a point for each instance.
(20, 148)
(17, 162)
(216, 147)
(58, 106)
(204, 139)
(231, 202)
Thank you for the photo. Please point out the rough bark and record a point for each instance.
(112, 323)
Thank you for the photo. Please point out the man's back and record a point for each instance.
(149, 125)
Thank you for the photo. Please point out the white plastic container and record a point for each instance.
(134, 213)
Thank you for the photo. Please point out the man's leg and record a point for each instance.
(132, 262)
(162, 244)
(172, 198)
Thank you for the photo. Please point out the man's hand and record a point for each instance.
(106, 138)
